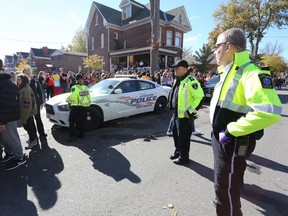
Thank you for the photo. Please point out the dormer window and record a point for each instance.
(126, 12)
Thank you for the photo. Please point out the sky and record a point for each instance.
(37, 23)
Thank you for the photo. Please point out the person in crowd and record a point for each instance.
(145, 75)
(9, 117)
(42, 80)
(71, 78)
(64, 83)
(57, 89)
(167, 79)
(244, 102)
(79, 100)
(49, 86)
(184, 98)
(157, 77)
(28, 109)
(37, 90)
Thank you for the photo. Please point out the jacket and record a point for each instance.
(9, 100)
(28, 105)
(247, 102)
(79, 96)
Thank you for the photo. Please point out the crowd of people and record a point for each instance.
(244, 102)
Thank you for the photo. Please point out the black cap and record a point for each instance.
(181, 63)
(78, 77)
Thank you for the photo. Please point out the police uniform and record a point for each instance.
(185, 96)
(244, 102)
(79, 99)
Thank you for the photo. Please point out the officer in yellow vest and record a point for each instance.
(184, 99)
(79, 99)
(244, 102)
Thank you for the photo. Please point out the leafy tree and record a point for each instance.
(94, 62)
(255, 17)
(275, 62)
(205, 57)
(79, 42)
(22, 65)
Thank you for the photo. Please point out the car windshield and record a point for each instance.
(104, 86)
(212, 80)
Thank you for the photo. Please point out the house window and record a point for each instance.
(125, 44)
(178, 39)
(102, 40)
(97, 19)
(116, 35)
(92, 43)
(126, 12)
(169, 38)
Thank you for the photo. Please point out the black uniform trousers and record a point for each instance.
(77, 120)
(182, 131)
(228, 177)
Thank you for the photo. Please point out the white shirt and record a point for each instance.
(217, 91)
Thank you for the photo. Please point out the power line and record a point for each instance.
(27, 41)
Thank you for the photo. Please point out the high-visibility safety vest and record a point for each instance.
(79, 96)
(247, 102)
(190, 94)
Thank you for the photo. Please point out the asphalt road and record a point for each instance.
(123, 169)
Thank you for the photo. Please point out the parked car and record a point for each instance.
(209, 86)
(112, 99)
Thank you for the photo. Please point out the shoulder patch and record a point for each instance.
(266, 81)
(195, 86)
(72, 89)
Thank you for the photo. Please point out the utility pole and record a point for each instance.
(155, 41)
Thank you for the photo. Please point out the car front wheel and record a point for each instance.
(160, 105)
(94, 118)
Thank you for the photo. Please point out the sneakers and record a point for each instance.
(32, 144)
(6, 158)
(15, 163)
(169, 133)
(196, 132)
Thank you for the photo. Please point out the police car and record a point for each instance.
(112, 99)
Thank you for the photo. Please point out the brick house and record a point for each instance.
(121, 38)
(38, 58)
(68, 60)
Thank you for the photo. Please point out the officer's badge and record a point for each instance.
(266, 81)
(195, 86)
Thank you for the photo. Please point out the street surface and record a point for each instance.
(123, 169)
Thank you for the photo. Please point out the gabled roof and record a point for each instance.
(114, 17)
(23, 54)
(40, 53)
(58, 52)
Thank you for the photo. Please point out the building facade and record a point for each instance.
(122, 38)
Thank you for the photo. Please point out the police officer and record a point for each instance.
(244, 102)
(184, 98)
(79, 100)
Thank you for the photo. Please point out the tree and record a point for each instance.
(79, 42)
(94, 62)
(204, 58)
(275, 62)
(272, 49)
(255, 17)
(22, 64)
(187, 54)
(155, 42)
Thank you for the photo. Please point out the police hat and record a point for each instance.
(181, 63)
(78, 77)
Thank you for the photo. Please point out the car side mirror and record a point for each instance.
(118, 91)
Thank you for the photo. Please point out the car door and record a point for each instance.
(123, 102)
(148, 96)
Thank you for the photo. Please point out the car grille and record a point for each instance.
(49, 109)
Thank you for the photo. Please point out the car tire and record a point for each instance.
(160, 105)
(94, 118)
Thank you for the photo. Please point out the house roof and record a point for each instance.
(58, 52)
(40, 53)
(24, 54)
(114, 17)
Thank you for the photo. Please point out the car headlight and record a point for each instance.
(64, 107)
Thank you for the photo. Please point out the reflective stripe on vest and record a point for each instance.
(227, 102)
(82, 98)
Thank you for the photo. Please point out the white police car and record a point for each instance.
(112, 99)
